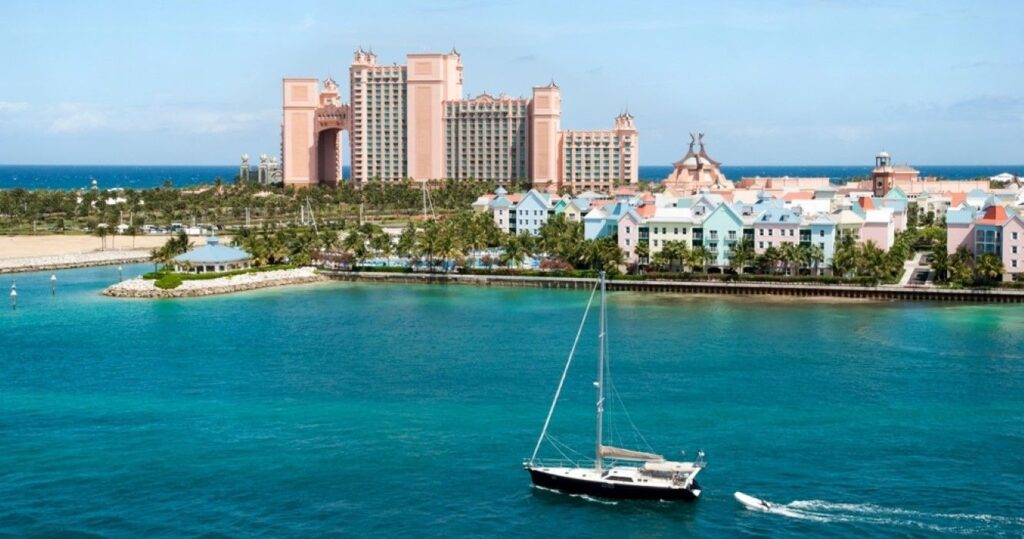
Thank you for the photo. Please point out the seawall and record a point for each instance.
(83, 260)
(878, 293)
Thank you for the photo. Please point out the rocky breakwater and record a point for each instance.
(146, 288)
(78, 260)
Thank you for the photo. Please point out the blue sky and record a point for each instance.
(800, 82)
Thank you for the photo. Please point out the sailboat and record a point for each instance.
(615, 472)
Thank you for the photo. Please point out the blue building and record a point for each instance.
(212, 257)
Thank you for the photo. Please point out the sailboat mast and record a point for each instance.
(600, 379)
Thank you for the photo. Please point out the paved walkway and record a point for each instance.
(913, 266)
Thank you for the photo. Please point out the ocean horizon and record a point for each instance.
(149, 176)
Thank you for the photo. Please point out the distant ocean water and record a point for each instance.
(142, 177)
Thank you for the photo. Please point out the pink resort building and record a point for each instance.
(411, 121)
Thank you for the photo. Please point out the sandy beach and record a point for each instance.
(33, 253)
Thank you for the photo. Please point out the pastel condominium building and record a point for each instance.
(411, 121)
(992, 229)
(701, 207)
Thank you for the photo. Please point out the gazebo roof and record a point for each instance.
(213, 253)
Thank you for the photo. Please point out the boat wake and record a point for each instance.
(580, 496)
(866, 513)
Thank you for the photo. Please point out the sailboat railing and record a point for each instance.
(560, 463)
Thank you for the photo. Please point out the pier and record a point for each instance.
(876, 293)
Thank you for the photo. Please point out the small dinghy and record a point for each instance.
(752, 503)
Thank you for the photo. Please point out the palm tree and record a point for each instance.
(643, 252)
(661, 260)
(138, 221)
(988, 268)
(561, 238)
(602, 254)
(815, 256)
(741, 255)
(961, 267)
(516, 248)
(427, 241)
(407, 241)
(380, 242)
(355, 244)
(676, 251)
(449, 244)
(844, 260)
(772, 256)
(101, 231)
(791, 257)
(699, 256)
(871, 261)
(940, 262)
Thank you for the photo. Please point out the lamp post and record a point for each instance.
(14, 296)
(53, 284)
(120, 274)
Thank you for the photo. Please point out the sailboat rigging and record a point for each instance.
(630, 474)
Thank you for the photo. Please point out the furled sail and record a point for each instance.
(610, 452)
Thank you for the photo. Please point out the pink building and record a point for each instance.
(411, 121)
(879, 227)
(991, 231)
(594, 160)
(628, 231)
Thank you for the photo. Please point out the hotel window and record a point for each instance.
(1014, 249)
(1013, 263)
(627, 232)
(1014, 235)
(655, 243)
(760, 245)
(770, 233)
(821, 233)
(675, 230)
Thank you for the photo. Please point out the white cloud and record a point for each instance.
(67, 118)
(13, 106)
(76, 118)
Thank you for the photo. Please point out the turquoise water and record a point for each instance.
(357, 409)
(142, 177)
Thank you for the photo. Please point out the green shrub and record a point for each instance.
(169, 281)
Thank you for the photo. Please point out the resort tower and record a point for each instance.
(412, 121)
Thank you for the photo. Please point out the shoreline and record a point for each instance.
(709, 288)
(146, 289)
(71, 261)
(42, 252)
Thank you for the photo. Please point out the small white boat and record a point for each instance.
(752, 503)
